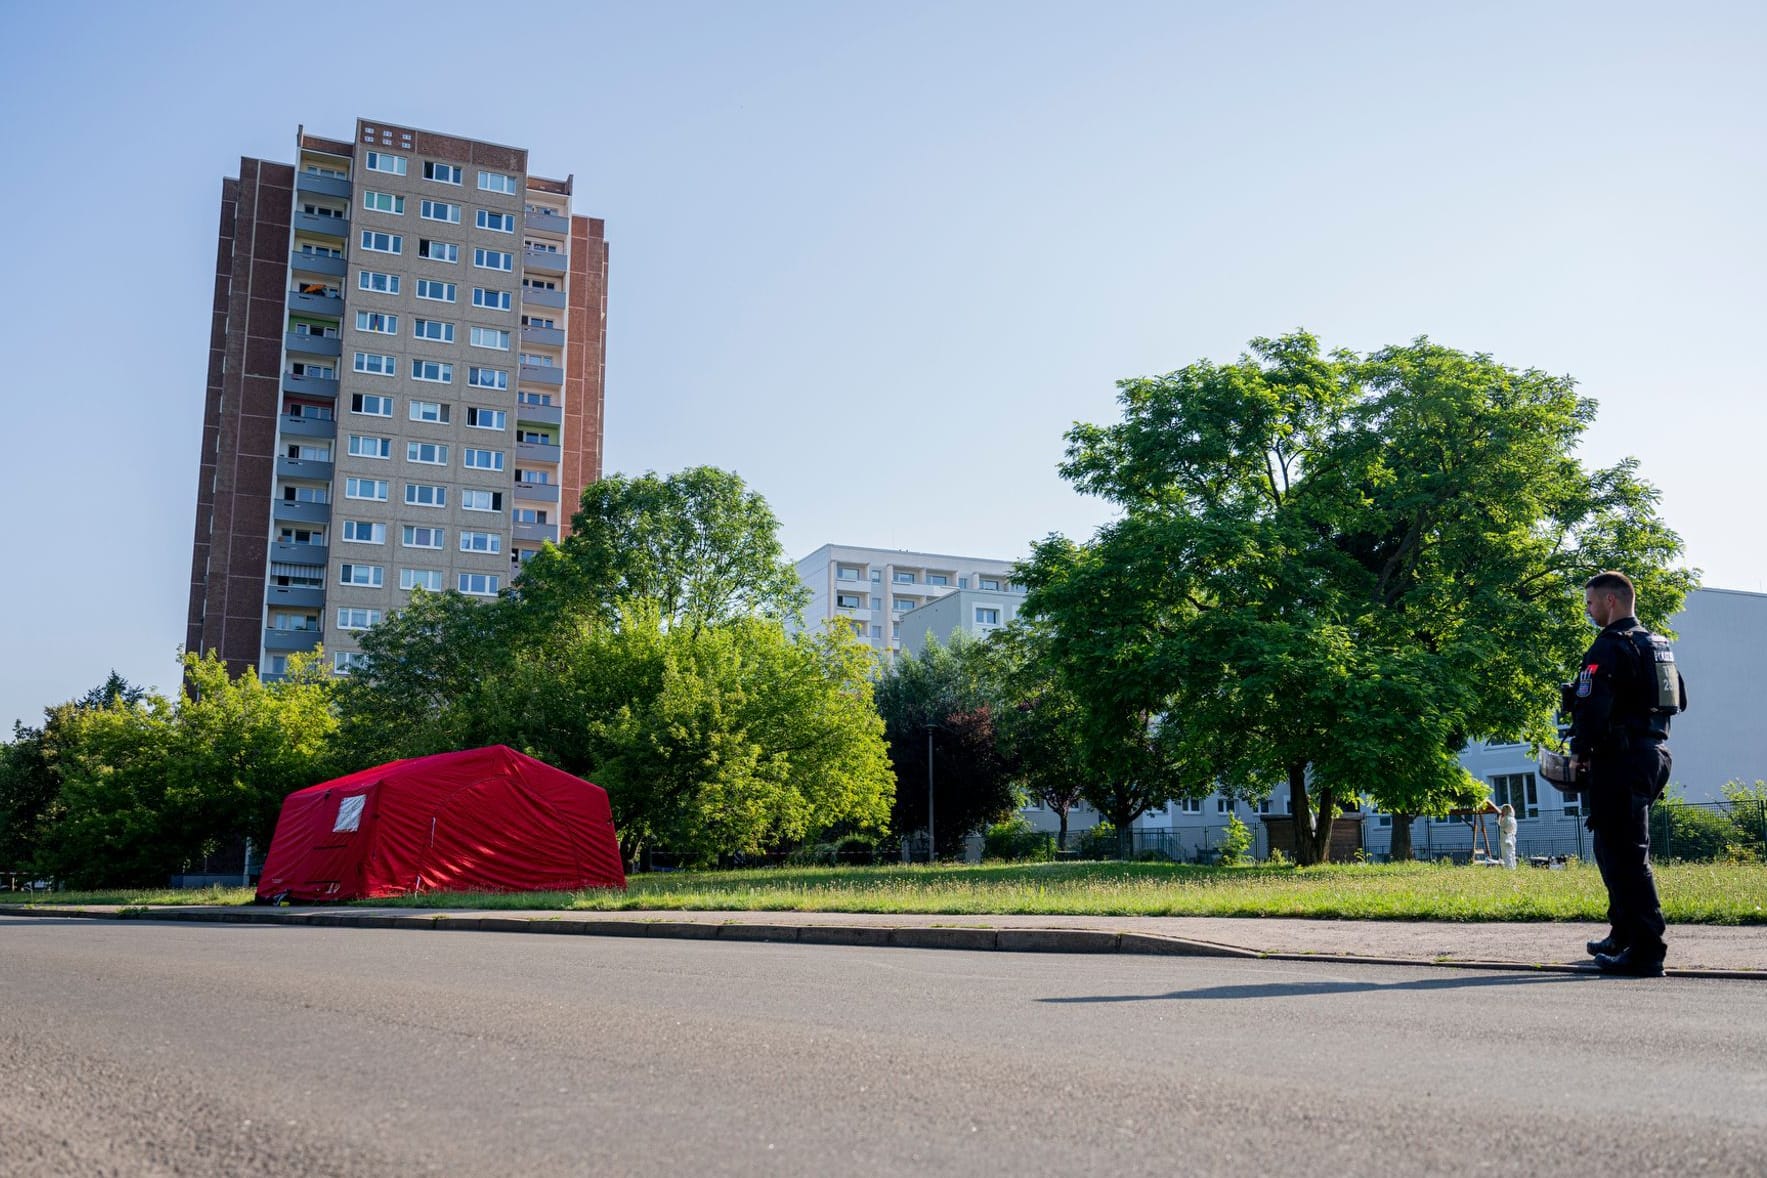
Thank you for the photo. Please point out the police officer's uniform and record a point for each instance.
(1626, 690)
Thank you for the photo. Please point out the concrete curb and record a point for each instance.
(921, 936)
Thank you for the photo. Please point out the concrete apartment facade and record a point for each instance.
(874, 589)
(405, 386)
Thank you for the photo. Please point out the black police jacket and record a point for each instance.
(1614, 695)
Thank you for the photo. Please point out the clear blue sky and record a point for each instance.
(877, 258)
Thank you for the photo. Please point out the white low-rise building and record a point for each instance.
(874, 589)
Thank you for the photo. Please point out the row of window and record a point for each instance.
(428, 453)
(373, 576)
(375, 241)
(436, 291)
(431, 371)
(383, 323)
(397, 165)
(439, 412)
(362, 531)
(416, 495)
(436, 210)
(854, 573)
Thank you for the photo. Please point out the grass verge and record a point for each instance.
(1692, 893)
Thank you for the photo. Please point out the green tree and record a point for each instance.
(1042, 724)
(1331, 571)
(699, 543)
(939, 706)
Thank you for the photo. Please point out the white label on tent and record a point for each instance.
(349, 813)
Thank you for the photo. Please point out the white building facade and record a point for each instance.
(873, 590)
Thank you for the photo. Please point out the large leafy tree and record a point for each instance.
(699, 543)
(940, 710)
(1345, 567)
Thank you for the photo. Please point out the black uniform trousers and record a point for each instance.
(1622, 785)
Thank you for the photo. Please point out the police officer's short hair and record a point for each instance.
(1612, 581)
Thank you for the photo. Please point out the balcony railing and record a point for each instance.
(313, 345)
(537, 492)
(546, 261)
(533, 296)
(550, 337)
(293, 598)
(291, 640)
(310, 469)
(539, 414)
(550, 375)
(526, 452)
(323, 264)
(547, 223)
(311, 554)
(310, 386)
(534, 533)
(323, 226)
(302, 303)
(316, 185)
(307, 427)
(295, 511)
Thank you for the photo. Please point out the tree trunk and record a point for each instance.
(1401, 849)
(1302, 822)
(1061, 835)
(1125, 839)
(1324, 818)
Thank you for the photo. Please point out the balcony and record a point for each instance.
(534, 533)
(313, 184)
(313, 345)
(540, 414)
(311, 386)
(547, 223)
(535, 297)
(545, 261)
(530, 452)
(290, 640)
(551, 337)
(551, 376)
(312, 554)
(338, 227)
(331, 306)
(287, 598)
(321, 264)
(537, 492)
(291, 511)
(310, 469)
(308, 427)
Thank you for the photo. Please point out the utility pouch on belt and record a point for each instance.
(1559, 771)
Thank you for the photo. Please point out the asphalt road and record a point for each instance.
(141, 1048)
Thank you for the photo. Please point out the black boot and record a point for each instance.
(1609, 944)
(1631, 963)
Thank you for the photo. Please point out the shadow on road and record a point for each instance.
(1311, 989)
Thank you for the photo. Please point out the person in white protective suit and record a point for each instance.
(1506, 834)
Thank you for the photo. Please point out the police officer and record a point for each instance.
(1626, 690)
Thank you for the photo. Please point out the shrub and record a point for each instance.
(1098, 843)
(1695, 834)
(1015, 841)
(855, 850)
(1235, 843)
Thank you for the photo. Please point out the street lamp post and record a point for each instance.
(931, 845)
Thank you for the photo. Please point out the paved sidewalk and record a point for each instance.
(1694, 950)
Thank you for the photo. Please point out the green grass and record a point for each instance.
(1692, 893)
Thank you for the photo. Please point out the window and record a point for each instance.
(490, 337)
(471, 500)
(375, 364)
(540, 247)
(534, 436)
(877, 631)
(429, 411)
(441, 173)
(277, 664)
(493, 260)
(306, 368)
(361, 574)
(524, 397)
(306, 494)
(481, 542)
(538, 321)
(876, 602)
(536, 477)
(963, 582)
(987, 616)
(361, 531)
(496, 300)
(345, 661)
(903, 578)
(988, 583)
(487, 378)
(432, 453)
(380, 161)
(496, 182)
(357, 619)
(437, 251)
(903, 605)
(364, 446)
(485, 418)
(479, 584)
(937, 579)
(369, 405)
(1573, 804)
(355, 488)
(537, 359)
(877, 576)
(382, 243)
(1263, 807)
(376, 321)
(846, 573)
(484, 459)
(430, 579)
(439, 210)
(425, 495)
(376, 281)
(434, 371)
(539, 284)
(1518, 790)
(382, 202)
(1223, 805)
(847, 601)
(415, 537)
(440, 292)
(434, 329)
(496, 222)
(1190, 805)
(528, 515)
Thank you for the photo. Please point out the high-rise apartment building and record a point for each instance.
(871, 589)
(405, 386)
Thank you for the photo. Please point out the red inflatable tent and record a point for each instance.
(485, 819)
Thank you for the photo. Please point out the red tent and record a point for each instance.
(485, 819)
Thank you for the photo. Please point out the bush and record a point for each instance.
(812, 855)
(1098, 843)
(1152, 856)
(1277, 859)
(1235, 843)
(1015, 841)
(1695, 834)
(855, 850)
